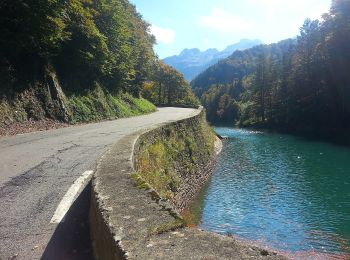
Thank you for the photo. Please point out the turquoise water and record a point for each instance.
(282, 191)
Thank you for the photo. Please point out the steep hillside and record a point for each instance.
(237, 66)
(75, 61)
(299, 86)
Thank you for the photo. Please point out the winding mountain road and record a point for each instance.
(37, 171)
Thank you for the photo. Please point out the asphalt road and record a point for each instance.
(36, 171)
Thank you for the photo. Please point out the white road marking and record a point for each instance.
(70, 197)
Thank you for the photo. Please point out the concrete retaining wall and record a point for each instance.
(129, 222)
(183, 150)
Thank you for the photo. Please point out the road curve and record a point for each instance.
(36, 171)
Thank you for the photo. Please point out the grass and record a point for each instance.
(140, 182)
(156, 170)
(166, 158)
(166, 227)
(173, 153)
(36, 103)
(98, 104)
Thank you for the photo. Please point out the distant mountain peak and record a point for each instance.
(242, 45)
(211, 51)
(186, 52)
(191, 62)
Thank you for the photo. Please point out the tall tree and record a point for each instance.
(170, 87)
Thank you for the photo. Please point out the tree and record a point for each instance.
(261, 85)
(172, 88)
(31, 33)
(297, 85)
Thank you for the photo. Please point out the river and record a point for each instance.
(285, 192)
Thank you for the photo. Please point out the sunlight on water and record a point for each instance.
(286, 192)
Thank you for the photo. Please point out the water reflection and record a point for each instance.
(289, 193)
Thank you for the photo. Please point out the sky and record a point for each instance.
(204, 24)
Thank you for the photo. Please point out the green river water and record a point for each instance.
(285, 192)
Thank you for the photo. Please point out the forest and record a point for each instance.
(99, 52)
(298, 85)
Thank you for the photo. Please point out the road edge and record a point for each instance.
(121, 215)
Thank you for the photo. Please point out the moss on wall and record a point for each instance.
(173, 159)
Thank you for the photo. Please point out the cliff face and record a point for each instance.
(43, 99)
(43, 104)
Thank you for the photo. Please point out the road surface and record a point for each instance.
(37, 171)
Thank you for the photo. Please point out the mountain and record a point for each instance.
(238, 66)
(191, 62)
(299, 86)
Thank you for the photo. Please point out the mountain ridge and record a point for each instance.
(191, 62)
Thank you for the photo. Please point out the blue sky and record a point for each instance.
(203, 24)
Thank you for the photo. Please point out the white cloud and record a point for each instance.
(163, 35)
(307, 9)
(272, 5)
(318, 11)
(223, 21)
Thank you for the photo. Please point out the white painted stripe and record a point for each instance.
(70, 197)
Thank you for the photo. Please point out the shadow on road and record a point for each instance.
(71, 239)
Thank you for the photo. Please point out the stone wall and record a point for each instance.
(132, 219)
(177, 159)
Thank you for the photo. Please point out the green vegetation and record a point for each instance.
(141, 184)
(300, 86)
(166, 227)
(97, 105)
(156, 164)
(94, 105)
(77, 60)
(172, 154)
(169, 88)
(84, 41)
